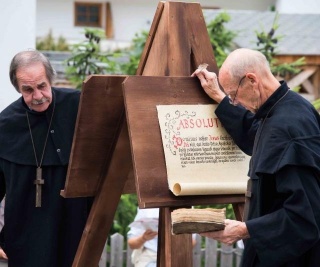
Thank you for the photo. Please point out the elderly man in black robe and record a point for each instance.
(36, 131)
(281, 131)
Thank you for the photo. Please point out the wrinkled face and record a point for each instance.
(245, 93)
(34, 87)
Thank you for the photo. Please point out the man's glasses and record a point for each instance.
(232, 101)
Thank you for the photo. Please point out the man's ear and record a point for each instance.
(252, 77)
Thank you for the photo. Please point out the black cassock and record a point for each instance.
(284, 215)
(46, 236)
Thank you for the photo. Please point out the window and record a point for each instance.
(88, 14)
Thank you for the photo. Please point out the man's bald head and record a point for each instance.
(243, 60)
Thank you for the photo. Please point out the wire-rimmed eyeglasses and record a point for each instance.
(232, 101)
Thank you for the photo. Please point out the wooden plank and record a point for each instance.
(238, 209)
(116, 258)
(201, 47)
(128, 257)
(100, 161)
(238, 254)
(197, 252)
(179, 42)
(301, 77)
(109, 32)
(100, 115)
(211, 252)
(316, 83)
(150, 40)
(308, 86)
(155, 58)
(310, 60)
(175, 250)
(105, 204)
(226, 259)
(179, 53)
(146, 144)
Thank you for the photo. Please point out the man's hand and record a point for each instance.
(149, 234)
(2, 254)
(138, 241)
(209, 83)
(234, 231)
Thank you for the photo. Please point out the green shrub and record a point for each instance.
(221, 38)
(87, 59)
(50, 44)
(267, 44)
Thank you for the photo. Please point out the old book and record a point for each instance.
(188, 221)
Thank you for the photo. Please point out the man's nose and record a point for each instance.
(37, 94)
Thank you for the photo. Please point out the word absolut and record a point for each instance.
(199, 123)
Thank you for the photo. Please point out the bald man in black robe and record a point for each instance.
(41, 228)
(281, 131)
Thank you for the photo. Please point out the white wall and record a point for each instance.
(18, 19)
(129, 16)
(298, 6)
(57, 16)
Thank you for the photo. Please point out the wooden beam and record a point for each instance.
(301, 77)
(308, 86)
(316, 83)
(109, 22)
(309, 59)
(105, 205)
(176, 250)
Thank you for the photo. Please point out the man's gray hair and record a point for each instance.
(27, 58)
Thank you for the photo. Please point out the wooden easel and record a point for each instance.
(101, 160)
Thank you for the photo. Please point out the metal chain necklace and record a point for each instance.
(39, 181)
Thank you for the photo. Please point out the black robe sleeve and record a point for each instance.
(242, 129)
(291, 230)
(2, 194)
(2, 186)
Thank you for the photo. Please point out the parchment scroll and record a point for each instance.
(201, 157)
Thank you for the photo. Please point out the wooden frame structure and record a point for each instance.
(101, 159)
(308, 79)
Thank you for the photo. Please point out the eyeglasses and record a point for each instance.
(232, 101)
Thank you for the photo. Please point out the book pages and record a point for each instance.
(201, 157)
(197, 220)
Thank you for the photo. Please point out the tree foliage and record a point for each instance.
(220, 37)
(125, 214)
(87, 59)
(267, 44)
(133, 53)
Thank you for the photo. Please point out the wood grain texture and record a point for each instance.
(178, 42)
(105, 147)
(99, 120)
(142, 94)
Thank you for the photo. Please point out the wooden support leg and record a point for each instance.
(105, 205)
(238, 209)
(173, 250)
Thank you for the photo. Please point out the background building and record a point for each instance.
(25, 21)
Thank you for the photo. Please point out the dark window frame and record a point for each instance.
(87, 13)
